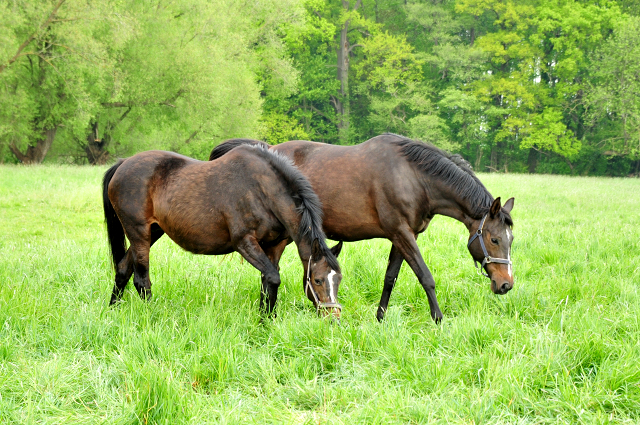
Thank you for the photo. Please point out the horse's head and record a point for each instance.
(322, 279)
(490, 245)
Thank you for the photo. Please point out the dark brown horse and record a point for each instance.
(249, 201)
(391, 187)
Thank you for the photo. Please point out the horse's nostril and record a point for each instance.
(505, 287)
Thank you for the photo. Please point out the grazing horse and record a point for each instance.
(391, 187)
(249, 201)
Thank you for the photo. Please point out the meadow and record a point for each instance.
(561, 347)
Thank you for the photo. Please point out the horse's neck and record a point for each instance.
(304, 250)
(450, 203)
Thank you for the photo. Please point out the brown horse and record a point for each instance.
(249, 201)
(391, 187)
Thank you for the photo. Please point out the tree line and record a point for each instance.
(547, 86)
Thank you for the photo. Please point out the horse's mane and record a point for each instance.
(452, 170)
(229, 144)
(309, 205)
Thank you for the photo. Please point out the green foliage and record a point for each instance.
(279, 128)
(54, 60)
(511, 85)
(152, 75)
(388, 63)
(613, 94)
(549, 133)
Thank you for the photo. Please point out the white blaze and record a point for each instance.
(330, 279)
(509, 239)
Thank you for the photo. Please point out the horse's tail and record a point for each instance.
(227, 145)
(115, 230)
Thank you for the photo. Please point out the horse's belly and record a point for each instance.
(200, 241)
(350, 229)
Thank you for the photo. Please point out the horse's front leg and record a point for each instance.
(393, 268)
(405, 241)
(274, 253)
(251, 250)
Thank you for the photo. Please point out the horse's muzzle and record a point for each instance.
(330, 309)
(502, 287)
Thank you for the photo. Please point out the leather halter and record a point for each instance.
(308, 286)
(487, 259)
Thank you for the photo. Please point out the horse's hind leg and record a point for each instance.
(124, 271)
(125, 268)
(250, 249)
(393, 268)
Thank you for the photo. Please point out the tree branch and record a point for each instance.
(190, 138)
(145, 103)
(354, 46)
(322, 114)
(116, 105)
(14, 150)
(32, 36)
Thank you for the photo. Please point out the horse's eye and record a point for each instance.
(318, 281)
(494, 240)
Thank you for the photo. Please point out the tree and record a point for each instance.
(53, 59)
(108, 76)
(614, 93)
(194, 74)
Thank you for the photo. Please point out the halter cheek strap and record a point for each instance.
(487, 259)
(309, 287)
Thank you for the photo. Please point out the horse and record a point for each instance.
(391, 187)
(249, 201)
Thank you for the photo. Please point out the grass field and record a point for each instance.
(561, 347)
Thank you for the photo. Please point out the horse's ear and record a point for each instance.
(495, 208)
(336, 249)
(508, 206)
(316, 251)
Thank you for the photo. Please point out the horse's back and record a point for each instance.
(150, 164)
(359, 185)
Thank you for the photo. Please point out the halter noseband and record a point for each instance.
(308, 286)
(487, 259)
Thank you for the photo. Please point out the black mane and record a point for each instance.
(224, 147)
(454, 171)
(309, 205)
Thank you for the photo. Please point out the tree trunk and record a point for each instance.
(95, 148)
(96, 152)
(342, 102)
(494, 158)
(35, 154)
(478, 158)
(532, 161)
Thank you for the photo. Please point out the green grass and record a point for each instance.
(561, 347)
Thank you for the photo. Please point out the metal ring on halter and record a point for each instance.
(308, 286)
(487, 259)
